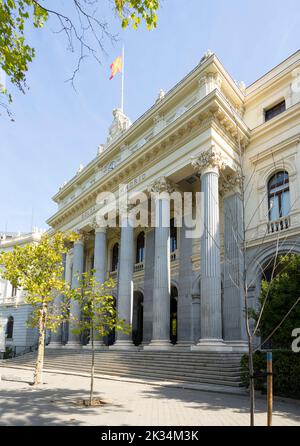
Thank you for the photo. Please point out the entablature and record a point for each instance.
(212, 111)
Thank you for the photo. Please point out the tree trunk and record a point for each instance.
(92, 367)
(251, 381)
(38, 372)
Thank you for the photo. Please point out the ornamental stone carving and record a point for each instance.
(160, 185)
(120, 124)
(98, 224)
(230, 183)
(80, 169)
(206, 56)
(82, 237)
(101, 149)
(211, 159)
(161, 95)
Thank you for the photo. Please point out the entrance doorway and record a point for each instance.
(137, 318)
(111, 337)
(173, 314)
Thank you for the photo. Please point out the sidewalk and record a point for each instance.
(126, 404)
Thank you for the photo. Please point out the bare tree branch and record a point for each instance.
(89, 26)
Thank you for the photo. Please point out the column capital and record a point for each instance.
(209, 161)
(230, 183)
(160, 185)
(95, 224)
(81, 237)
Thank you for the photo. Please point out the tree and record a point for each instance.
(278, 297)
(98, 315)
(37, 268)
(86, 28)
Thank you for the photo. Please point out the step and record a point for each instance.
(195, 369)
(189, 367)
(145, 376)
(155, 372)
(108, 363)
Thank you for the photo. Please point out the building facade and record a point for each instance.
(14, 311)
(239, 147)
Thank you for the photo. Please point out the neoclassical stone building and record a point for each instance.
(14, 311)
(237, 145)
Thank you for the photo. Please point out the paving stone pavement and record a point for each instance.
(127, 404)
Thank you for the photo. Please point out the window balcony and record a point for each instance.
(174, 255)
(281, 224)
(114, 273)
(139, 267)
(10, 301)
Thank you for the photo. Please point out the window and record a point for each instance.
(173, 235)
(10, 327)
(14, 291)
(115, 257)
(140, 247)
(275, 110)
(279, 195)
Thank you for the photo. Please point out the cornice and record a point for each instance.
(269, 238)
(202, 115)
(266, 154)
(276, 75)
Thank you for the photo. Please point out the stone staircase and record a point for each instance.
(195, 369)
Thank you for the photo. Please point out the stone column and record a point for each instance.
(100, 264)
(208, 164)
(56, 337)
(148, 286)
(184, 303)
(161, 285)
(78, 266)
(233, 302)
(125, 283)
(68, 279)
(196, 317)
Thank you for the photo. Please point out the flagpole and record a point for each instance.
(122, 86)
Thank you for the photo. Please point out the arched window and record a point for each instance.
(115, 257)
(140, 247)
(10, 327)
(279, 195)
(173, 235)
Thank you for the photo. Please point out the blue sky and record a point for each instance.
(57, 129)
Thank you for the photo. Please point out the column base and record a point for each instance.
(238, 346)
(211, 345)
(73, 345)
(123, 345)
(97, 346)
(183, 346)
(157, 345)
(55, 344)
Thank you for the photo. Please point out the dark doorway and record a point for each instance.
(111, 337)
(10, 327)
(138, 318)
(173, 315)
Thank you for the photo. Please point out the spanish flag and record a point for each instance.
(116, 67)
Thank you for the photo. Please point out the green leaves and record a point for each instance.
(281, 294)
(37, 268)
(16, 54)
(135, 11)
(98, 312)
